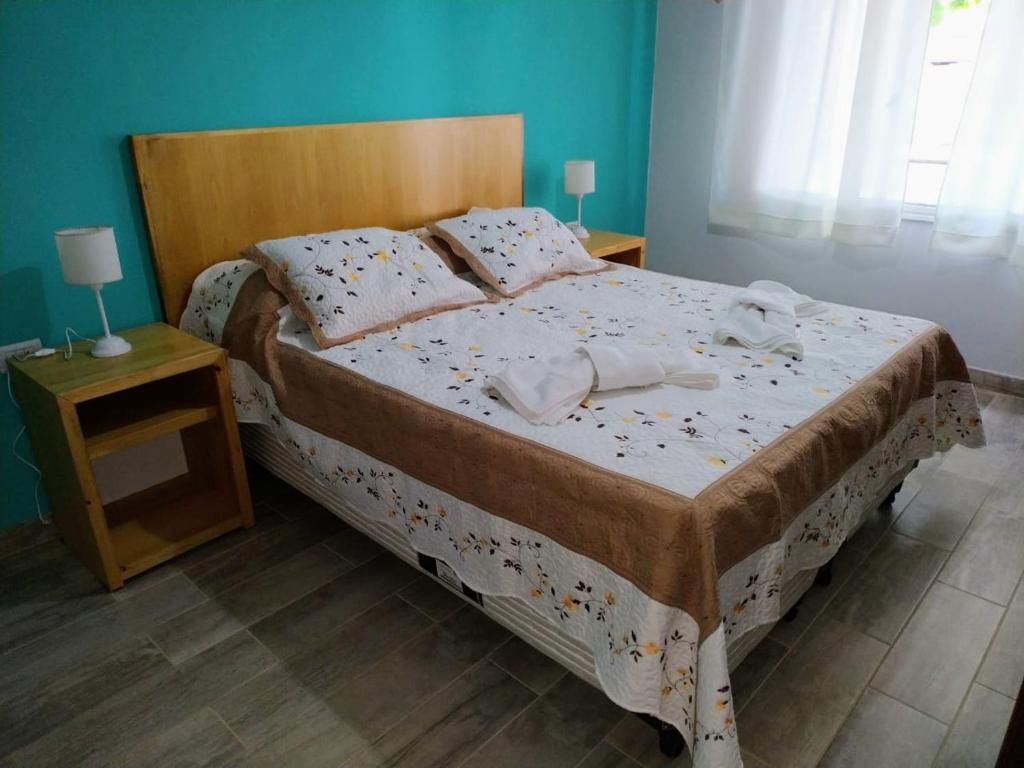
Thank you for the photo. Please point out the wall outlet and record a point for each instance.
(17, 348)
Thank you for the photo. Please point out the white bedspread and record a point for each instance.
(646, 654)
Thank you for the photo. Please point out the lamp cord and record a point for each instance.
(68, 333)
(14, 449)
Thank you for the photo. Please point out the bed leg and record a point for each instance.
(824, 575)
(793, 612)
(891, 498)
(670, 740)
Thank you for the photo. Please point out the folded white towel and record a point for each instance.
(624, 366)
(777, 297)
(756, 328)
(546, 391)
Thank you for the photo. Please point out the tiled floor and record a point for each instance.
(301, 643)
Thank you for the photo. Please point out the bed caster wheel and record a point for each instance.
(824, 576)
(670, 741)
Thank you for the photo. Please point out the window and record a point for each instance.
(956, 29)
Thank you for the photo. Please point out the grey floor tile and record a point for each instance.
(977, 735)
(639, 740)
(528, 665)
(201, 740)
(844, 564)
(195, 630)
(268, 706)
(604, 755)
(276, 587)
(259, 553)
(159, 701)
(453, 724)
(436, 601)
(1008, 491)
(245, 603)
(933, 662)
(21, 537)
(885, 733)
(318, 614)
(353, 546)
(379, 697)
(754, 670)
(882, 594)
(1003, 668)
(751, 761)
(54, 700)
(989, 559)
(558, 729)
(44, 588)
(796, 713)
(94, 637)
(941, 512)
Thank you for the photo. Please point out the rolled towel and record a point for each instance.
(624, 366)
(545, 391)
(688, 369)
(777, 297)
(756, 328)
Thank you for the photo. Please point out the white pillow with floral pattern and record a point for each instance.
(353, 282)
(515, 249)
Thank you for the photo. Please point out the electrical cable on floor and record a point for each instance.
(14, 449)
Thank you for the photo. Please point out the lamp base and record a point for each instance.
(110, 346)
(578, 229)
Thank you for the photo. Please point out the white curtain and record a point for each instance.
(981, 208)
(815, 116)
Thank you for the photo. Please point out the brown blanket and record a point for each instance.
(672, 547)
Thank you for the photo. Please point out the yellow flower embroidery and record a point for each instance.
(721, 704)
(417, 265)
(664, 414)
(628, 419)
(716, 461)
(890, 341)
(699, 350)
(821, 390)
(460, 375)
(663, 333)
(609, 598)
(284, 264)
(535, 592)
(666, 690)
(381, 256)
(738, 608)
(474, 347)
(569, 604)
(614, 282)
(651, 648)
(767, 360)
(407, 345)
(353, 276)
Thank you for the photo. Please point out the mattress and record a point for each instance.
(654, 527)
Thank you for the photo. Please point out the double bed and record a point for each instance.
(650, 540)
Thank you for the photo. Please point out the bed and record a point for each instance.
(647, 543)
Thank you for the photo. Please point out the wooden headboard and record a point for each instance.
(209, 194)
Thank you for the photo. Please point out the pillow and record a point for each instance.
(353, 282)
(515, 249)
(442, 249)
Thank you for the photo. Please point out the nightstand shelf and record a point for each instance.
(86, 408)
(614, 246)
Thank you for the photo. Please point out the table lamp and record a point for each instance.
(88, 256)
(579, 181)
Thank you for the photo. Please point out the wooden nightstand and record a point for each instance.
(81, 409)
(612, 246)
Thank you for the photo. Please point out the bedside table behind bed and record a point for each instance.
(85, 408)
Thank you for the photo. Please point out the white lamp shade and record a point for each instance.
(88, 256)
(579, 177)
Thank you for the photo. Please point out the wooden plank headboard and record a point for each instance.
(209, 194)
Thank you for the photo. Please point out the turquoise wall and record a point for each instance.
(79, 76)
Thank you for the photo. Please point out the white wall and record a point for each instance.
(980, 301)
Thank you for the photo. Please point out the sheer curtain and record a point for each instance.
(981, 207)
(815, 115)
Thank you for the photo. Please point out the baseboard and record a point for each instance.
(997, 382)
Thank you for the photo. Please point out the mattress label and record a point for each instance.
(447, 574)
